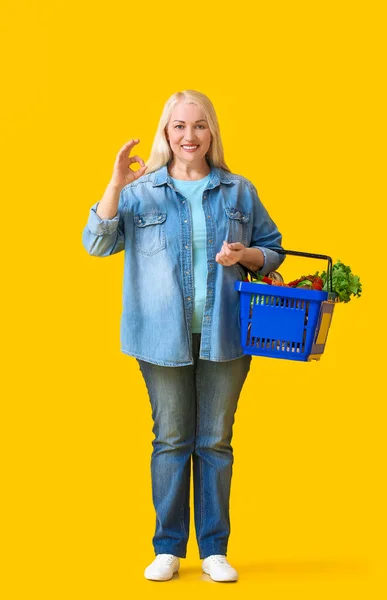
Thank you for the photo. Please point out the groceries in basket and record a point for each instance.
(292, 320)
(344, 283)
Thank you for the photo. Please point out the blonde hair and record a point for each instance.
(161, 152)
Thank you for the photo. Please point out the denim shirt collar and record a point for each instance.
(217, 176)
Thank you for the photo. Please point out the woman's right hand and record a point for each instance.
(122, 173)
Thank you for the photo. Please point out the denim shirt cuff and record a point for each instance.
(272, 260)
(100, 226)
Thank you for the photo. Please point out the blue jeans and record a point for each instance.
(193, 411)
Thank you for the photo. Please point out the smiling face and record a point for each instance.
(188, 126)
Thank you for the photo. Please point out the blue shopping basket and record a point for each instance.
(281, 322)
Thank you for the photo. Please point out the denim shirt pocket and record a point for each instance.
(237, 224)
(150, 232)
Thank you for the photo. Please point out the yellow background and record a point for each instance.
(298, 90)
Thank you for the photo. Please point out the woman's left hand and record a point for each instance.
(230, 253)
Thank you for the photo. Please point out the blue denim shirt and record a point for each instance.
(154, 227)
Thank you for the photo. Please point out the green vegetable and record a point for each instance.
(344, 283)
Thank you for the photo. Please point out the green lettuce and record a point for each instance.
(344, 283)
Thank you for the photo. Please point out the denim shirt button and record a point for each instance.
(185, 220)
(188, 297)
(186, 247)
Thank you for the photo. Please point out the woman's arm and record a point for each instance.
(108, 206)
(253, 258)
(265, 238)
(104, 233)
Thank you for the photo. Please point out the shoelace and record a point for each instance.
(166, 558)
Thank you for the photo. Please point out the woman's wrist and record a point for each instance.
(253, 258)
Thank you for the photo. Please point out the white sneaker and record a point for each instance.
(163, 567)
(218, 568)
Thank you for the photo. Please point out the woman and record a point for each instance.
(187, 225)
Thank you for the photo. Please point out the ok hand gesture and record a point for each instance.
(122, 173)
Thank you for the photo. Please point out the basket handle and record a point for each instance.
(307, 255)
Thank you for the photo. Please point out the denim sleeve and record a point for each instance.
(266, 237)
(103, 237)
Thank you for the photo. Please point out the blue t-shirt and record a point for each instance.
(193, 192)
